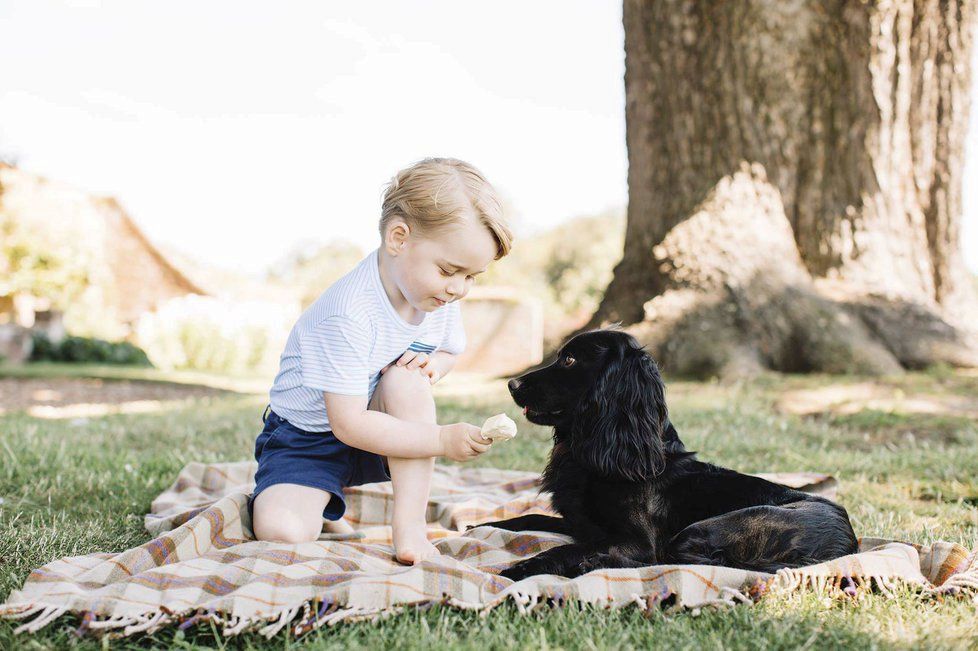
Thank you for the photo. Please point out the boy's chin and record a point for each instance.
(427, 306)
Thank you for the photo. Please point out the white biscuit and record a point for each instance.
(499, 428)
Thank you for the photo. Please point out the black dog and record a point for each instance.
(630, 493)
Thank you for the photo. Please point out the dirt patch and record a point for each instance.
(869, 396)
(873, 414)
(80, 397)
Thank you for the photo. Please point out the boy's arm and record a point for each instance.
(434, 366)
(381, 433)
(439, 365)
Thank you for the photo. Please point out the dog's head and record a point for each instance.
(605, 391)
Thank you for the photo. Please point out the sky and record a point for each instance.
(237, 132)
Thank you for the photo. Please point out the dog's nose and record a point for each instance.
(513, 384)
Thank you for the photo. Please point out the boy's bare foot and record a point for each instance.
(411, 544)
(337, 526)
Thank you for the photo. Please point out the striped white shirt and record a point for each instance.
(342, 340)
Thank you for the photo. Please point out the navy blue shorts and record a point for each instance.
(289, 455)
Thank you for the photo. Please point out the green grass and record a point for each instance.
(76, 487)
(246, 383)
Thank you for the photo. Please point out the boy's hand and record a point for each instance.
(412, 360)
(415, 360)
(462, 442)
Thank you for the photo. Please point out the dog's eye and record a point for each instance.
(567, 361)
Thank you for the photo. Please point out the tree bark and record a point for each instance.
(854, 114)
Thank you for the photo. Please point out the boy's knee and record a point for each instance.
(401, 390)
(401, 382)
(286, 527)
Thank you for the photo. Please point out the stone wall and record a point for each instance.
(504, 331)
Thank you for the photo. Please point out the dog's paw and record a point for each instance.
(604, 561)
(596, 562)
(585, 566)
(519, 571)
(513, 574)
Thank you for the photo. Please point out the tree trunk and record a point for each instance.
(828, 133)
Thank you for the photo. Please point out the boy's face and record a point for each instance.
(434, 270)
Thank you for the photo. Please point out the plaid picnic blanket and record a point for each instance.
(204, 564)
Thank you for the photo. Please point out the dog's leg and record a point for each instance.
(767, 538)
(614, 556)
(606, 561)
(558, 560)
(577, 559)
(532, 522)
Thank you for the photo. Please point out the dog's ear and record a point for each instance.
(617, 430)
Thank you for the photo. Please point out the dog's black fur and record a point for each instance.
(629, 492)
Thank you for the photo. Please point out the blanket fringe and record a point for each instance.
(115, 621)
(236, 624)
(48, 615)
(20, 612)
(789, 580)
(315, 613)
(961, 583)
(147, 622)
(287, 615)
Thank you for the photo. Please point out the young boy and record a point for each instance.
(354, 383)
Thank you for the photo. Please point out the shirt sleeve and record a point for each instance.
(454, 341)
(335, 357)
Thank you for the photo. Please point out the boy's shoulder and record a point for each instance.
(350, 296)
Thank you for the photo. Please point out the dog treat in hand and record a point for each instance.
(499, 428)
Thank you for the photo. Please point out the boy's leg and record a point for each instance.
(289, 513)
(406, 394)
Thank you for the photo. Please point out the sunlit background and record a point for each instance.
(236, 131)
(251, 143)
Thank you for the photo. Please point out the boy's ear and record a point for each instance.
(397, 235)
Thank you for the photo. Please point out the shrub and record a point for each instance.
(87, 350)
(211, 334)
(567, 268)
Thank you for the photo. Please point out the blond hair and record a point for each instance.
(437, 192)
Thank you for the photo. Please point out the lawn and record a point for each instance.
(77, 485)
